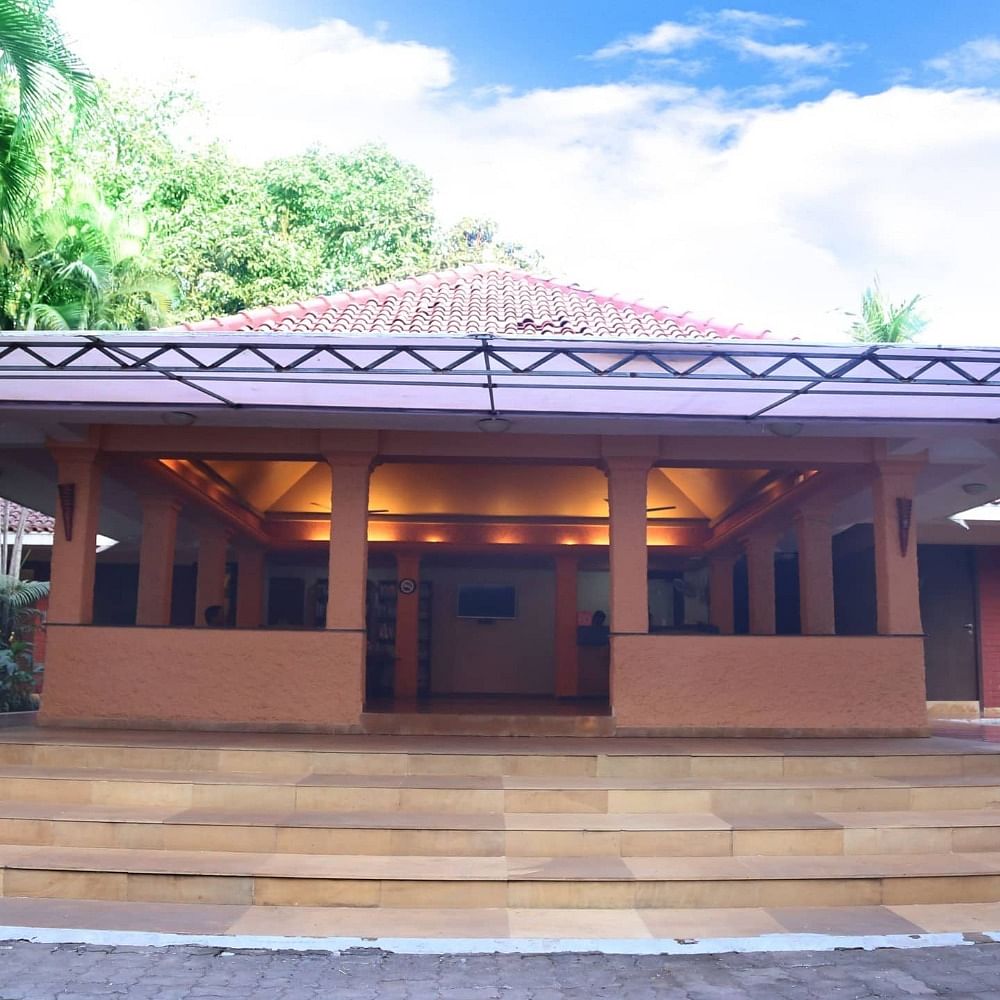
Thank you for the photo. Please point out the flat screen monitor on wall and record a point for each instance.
(485, 602)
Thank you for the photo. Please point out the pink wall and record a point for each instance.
(769, 684)
(203, 678)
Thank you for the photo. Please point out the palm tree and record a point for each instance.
(40, 79)
(85, 267)
(881, 322)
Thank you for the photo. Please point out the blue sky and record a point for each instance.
(527, 43)
(755, 163)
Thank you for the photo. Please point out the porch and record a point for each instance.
(409, 582)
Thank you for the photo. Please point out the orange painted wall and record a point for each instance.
(792, 684)
(203, 678)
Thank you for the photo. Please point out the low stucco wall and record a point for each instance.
(780, 685)
(203, 678)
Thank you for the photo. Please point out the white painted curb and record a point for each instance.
(479, 946)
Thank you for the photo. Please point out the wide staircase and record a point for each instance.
(452, 822)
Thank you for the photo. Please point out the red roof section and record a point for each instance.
(483, 299)
(35, 522)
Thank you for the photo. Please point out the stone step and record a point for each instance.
(497, 835)
(482, 724)
(504, 794)
(524, 929)
(691, 758)
(474, 882)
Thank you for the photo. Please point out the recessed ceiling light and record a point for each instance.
(178, 418)
(973, 488)
(493, 425)
(786, 429)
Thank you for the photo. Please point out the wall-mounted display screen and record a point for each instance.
(487, 602)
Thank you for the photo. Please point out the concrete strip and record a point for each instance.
(765, 943)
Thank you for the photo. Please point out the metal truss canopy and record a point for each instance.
(735, 380)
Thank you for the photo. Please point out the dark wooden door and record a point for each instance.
(948, 608)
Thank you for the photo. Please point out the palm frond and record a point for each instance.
(881, 322)
(20, 594)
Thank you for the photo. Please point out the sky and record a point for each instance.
(754, 164)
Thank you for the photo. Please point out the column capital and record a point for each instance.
(627, 463)
(349, 459)
(816, 512)
(903, 467)
(159, 501)
(209, 527)
(761, 538)
(64, 453)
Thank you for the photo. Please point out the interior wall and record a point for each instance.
(593, 591)
(503, 657)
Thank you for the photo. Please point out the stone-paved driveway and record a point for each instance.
(48, 972)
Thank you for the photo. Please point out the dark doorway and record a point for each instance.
(948, 609)
(286, 601)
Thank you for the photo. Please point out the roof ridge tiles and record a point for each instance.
(498, 298)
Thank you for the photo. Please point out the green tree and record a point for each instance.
(474, 241)
(883, 322)
(370, 211)
(84, 266)
(221, 239)
(40, 79)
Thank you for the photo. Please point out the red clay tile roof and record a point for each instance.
(35, 521)
(470, 300)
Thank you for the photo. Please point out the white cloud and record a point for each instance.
(792, 54)
(770, 216)
(754, 19)
(662, 40)
(266, 83)
(975, 62)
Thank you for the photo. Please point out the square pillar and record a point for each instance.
(407, 668)
(627, 554)
(759, 549)
(74, 544)
(249, 585)
(720, 592)
(156, 559)
(897, 588)
(210, 588)
(567, 659)
(814, 534)
(348, 571)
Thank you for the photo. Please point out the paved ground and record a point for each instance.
(49, 972)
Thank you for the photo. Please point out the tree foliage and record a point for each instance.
(41, 81)
(138, 220)
(883, 322)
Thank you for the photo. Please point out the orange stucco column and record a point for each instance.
(407, 669)
(896, 581)
(345, 607)
(213, 549)
(627, 554)
(249, 586)
(567, 660)
(720, 591)
(156, 560)
(814, 535)
(759, 549)
(74, 546)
